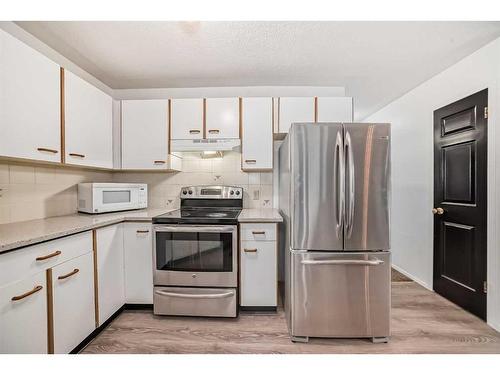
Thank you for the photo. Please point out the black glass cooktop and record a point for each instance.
(206, 215)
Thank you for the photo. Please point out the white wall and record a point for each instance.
(412, 166)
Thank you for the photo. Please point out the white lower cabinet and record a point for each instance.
(138, 251)
(73, 302)
(259, 272)
(23, 316)
(110, 270)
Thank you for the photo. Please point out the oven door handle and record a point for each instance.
(196, 296)
(193, 228)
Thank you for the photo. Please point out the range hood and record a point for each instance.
(188, 145)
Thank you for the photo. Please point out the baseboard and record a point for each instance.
(495, 326)
(96, 331)
(409, 275)
(138, 306)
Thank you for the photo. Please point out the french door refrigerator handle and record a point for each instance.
(350, 177)
(351, 262)
(339, 175)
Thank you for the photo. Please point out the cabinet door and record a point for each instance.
(222, 118)
(334, 109)
(73, 301)
(145, 134)
(138, 249)
(257, 134)
(258, 273)
(110, 270)
(23, 323)
(88, 123)
(187, 118)
(29, 102)
(294, 110)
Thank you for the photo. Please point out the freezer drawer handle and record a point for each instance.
(352, 262)
(195, 296)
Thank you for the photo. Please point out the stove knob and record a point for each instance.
(184, 192)
(238, 192)
(190, 192)
(231, 192)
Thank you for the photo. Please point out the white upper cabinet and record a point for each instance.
(187, 118)
(292, 110)
(334, 109)
(145, 134)
(222, 118)
(257, 134)
(29, 102)
(88, 123)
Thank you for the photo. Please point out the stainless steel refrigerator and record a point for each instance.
(334, 184)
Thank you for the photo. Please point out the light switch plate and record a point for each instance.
(256, 195)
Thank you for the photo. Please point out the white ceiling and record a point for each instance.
(375, 61)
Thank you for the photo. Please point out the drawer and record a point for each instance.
(259, 273)
(19, 264)
(195, 301)
(258, 232)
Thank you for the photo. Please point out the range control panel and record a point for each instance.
(212, 192)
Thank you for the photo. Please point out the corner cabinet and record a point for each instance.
(145, 135)
(29, 102)
(88, 123)
(257, 134)
(222, 118)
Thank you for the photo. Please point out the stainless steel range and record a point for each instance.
(196, 253)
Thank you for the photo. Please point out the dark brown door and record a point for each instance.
(460, 163)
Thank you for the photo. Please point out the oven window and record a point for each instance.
(116, 196)
(197, 252)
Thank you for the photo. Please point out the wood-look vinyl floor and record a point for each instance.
(422, 322)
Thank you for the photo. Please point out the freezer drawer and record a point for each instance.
(340, 294)
(194, 301)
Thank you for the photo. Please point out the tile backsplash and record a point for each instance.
(29, 191)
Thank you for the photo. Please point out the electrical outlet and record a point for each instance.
(256, 195)
(266, 203)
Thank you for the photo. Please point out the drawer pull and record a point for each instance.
(250, 250)
(258, 232)
(344, 262)
(48, 256)
(250, 161)
(194, 132)
(213, 131)
(159, 161)
(195, 296)
(44, 149)
(75, 271)
(142, 231)
(76, 155)
(32, 291)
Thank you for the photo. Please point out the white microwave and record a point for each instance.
(94, 198)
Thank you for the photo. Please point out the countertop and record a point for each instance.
(25, 233)
(14, 235)
(260, 215)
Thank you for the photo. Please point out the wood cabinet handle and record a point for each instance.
(142, 231)
(213, 131)
(258, 232)
(159, 162)
(76, 155)
(251, 161)
(51, 255)
(194, 132)
(250, 250)
(75, 271)
(44, 149)
(32, 291)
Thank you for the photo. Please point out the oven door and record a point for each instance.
(115, 199)
(195, 255)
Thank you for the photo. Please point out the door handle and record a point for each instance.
(194, 131)
(45, 149)
(349, 262)
(438, 211)
(76, 155)
(24, 295)
(62, 277)
(48, 256)
(250, 250)
(339, 176)
(213, 131)
(350, 179)
(195, 296)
